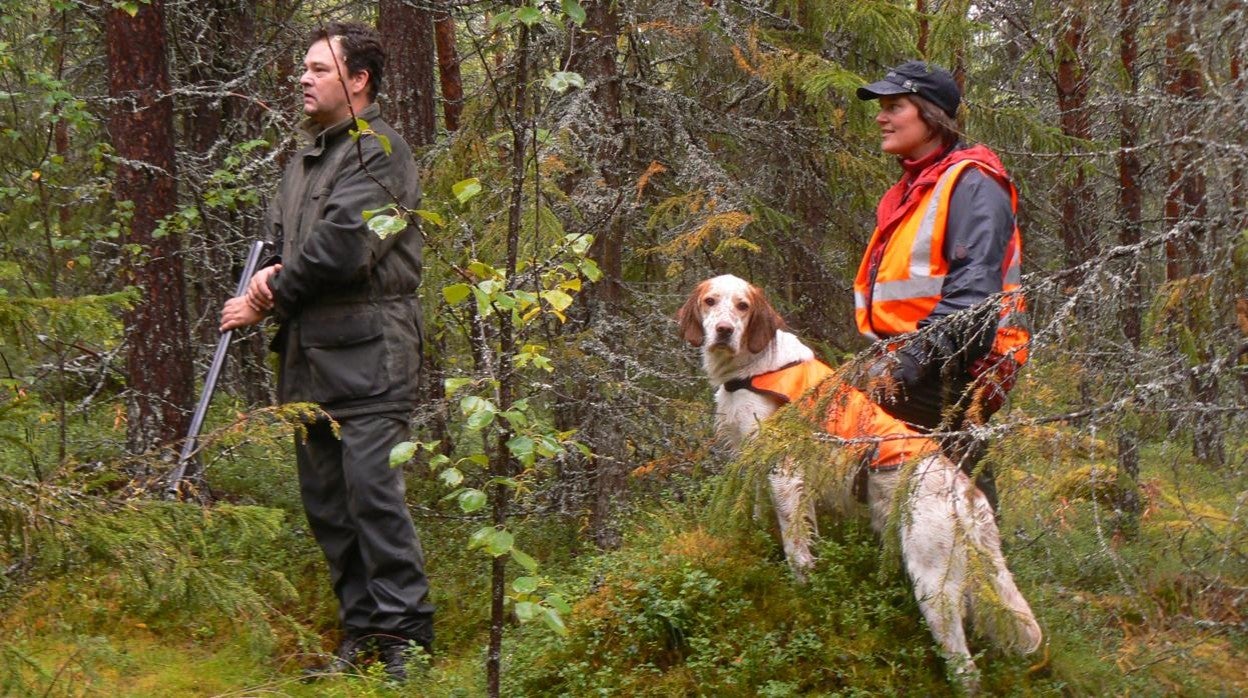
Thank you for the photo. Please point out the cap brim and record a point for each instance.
(881, 88)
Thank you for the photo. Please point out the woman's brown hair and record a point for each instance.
(945, 127)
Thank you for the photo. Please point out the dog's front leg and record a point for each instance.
(795, 512)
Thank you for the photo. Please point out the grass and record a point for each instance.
(682, 608)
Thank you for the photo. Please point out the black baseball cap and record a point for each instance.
(931, 82)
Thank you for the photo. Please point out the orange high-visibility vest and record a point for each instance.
(851, 414)
(907, 285)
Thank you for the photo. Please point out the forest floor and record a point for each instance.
(233, 600)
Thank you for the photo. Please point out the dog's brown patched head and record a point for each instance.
(732, 313)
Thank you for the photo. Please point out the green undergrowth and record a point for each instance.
(140, 598)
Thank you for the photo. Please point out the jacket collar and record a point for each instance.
(905, 194)
(322, 137)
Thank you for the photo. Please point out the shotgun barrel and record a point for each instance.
(177, 475)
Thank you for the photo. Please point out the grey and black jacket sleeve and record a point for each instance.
(962, 326)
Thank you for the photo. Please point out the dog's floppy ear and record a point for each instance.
(689, 317)
(763, 323)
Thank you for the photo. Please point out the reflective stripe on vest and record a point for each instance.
(850, 414)
(907, 290)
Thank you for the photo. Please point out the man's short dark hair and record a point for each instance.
(362, 48)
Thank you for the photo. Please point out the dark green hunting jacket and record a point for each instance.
(350, 326)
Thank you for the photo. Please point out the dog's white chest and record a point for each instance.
(738, 413)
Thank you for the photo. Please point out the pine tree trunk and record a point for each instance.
(448, 66)
(1074, 193)
(1130, 215)
(158, 362)
(406, 29)
(920, 9)
(593, 55)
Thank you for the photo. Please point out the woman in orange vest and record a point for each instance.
(939, 283)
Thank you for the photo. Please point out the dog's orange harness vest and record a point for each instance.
(851, 414)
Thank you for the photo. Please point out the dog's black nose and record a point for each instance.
(723, 331)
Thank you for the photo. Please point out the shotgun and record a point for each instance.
(177, 475)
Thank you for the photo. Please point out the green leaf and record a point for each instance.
(527, 611)
(455, 293)
(466, 189)
(590, 269)
(551, 616)
(480, 536)
(402, 453)
(522, 448)
(505, 482)
(563, 80)
(385, 226)
(483, 270)
(516, 418)
(574, 11)
(580, 242)
(499, 542)
(501, 19)
(384, 140)
(529, 15)
(557, 299)
(548, 446)
(452, 385)
(432, 216)
(524, 585)
(479, 420)
(556, 602)
(361, 125)
(524, 560)
(451, 476)
(471, 500)
(472, 403)
(130, 8)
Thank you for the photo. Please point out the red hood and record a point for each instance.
(901, 198)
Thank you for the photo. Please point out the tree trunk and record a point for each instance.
(593, 55)
(1184, 183)
(1130, 214)
(448, 66)
(406, 29)
(1185, 207)
(501, 464)
(920, 9)
(158, 362)
(1074, 193)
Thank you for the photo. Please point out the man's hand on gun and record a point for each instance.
(251, 307)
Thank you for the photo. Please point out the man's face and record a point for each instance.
(324, 93)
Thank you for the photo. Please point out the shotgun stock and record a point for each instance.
(176, 476)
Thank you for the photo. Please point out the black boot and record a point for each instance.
(346, 658)
(398, 654)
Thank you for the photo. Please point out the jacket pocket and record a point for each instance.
(346, 352)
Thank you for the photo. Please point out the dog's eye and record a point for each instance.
(709, 301)
(743, 306)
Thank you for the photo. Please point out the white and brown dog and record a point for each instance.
(949, 543)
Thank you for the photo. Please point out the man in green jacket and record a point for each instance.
(349, 339)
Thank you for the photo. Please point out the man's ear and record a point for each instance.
(358, 82)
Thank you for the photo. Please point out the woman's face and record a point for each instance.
(903, 131)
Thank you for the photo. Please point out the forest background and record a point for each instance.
(586, 163)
